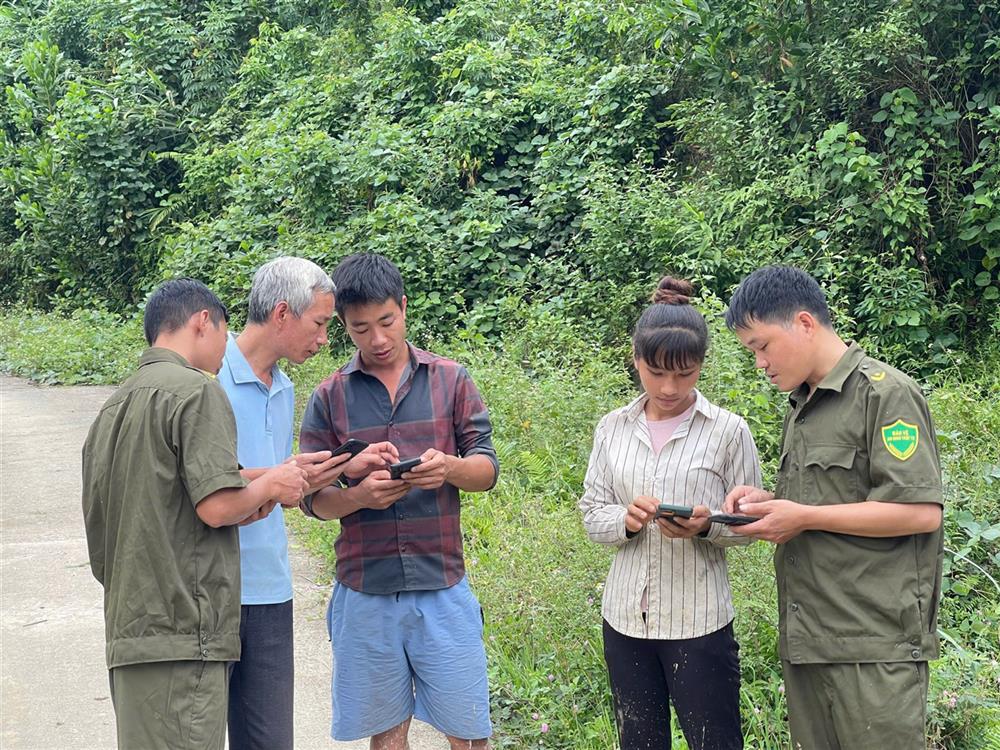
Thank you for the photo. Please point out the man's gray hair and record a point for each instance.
(293, 280)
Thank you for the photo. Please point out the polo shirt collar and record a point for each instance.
(835, 379)
(417, 357)
(242, 372)
(701, 405)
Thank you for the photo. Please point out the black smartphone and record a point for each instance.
(663, 510)
(396, 471)
(731, 519)
(352, 446)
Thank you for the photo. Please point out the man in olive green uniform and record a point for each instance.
(856, 515)
(161, 492)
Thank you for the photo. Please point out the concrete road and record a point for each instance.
(54, 689)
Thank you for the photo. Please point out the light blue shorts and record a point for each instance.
(416, 653)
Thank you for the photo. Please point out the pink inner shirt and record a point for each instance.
(662, 430)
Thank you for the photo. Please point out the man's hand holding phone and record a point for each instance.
(378, 490)
(321, 468)
(430, 473)
(780, 520)
(373, 457)
(286, 483)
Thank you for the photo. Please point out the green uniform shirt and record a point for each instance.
(866, 434)
(161, 444)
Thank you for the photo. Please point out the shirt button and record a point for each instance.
(915, 653)
(800, 420)
(794, 607)
(791, 559)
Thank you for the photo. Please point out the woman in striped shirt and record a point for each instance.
(667, 607)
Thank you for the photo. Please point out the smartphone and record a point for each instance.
(352, 446)
(396, 471)
(731, 519)
(663, 510)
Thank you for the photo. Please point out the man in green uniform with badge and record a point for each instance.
(161, 493)
(856, 517)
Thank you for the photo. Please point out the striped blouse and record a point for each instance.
(686, 580)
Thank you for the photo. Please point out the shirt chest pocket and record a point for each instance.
(831, 474)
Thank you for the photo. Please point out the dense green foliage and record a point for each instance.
(539, 578)
(558, 150)
(531, 166)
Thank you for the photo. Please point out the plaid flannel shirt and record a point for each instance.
(415, 544)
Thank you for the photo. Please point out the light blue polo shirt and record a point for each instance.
(263, 438)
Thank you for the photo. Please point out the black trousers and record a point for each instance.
(700, 676)
(262, 681)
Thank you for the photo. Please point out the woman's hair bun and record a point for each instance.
(671, 291)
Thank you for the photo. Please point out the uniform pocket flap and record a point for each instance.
(830, 456)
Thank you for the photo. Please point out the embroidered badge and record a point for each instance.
(901, 439)
(878, 377)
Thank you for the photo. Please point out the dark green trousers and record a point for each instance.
(852, 706)
(170, 705)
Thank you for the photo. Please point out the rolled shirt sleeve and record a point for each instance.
(473, 430)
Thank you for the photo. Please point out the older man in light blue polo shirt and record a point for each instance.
(291, 305)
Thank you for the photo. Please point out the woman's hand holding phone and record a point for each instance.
(640, 511)
(675, 527)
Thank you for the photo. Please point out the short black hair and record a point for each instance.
(774, 294)
(671, 334)
(364, 279)
(173, 302)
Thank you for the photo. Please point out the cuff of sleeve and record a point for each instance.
(493, 459)
(913, 494)
(225, 480)
(307, 506)
(713, 532)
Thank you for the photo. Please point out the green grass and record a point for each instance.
(85, 347)
(539, 578)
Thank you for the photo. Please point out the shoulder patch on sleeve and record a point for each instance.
(901, 439)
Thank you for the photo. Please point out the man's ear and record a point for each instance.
(402, 305)
(281, 312)
(200, 321)
(806, 322)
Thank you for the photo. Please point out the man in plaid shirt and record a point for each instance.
(405, 627)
